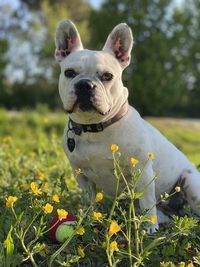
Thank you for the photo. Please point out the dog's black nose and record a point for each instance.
(84, 87)
(84, 90)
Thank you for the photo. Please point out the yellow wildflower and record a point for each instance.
(81, 252)
(10, 200)
(114, 148)
(78, 171)
(32, 154)
(99, 197)
(55, 198)
(7, 139)
(114, 228)
(45, 120)
(150, 155)
(42, 176)
(80, 231)
(97, 215)
(62, 214)
(153, 219)
(18, 151)
(46, 186)
(134, 162)
(114, 246)
(177, 189)
(35, 189)
(48, 208)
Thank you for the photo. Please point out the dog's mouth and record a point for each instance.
(86, 106)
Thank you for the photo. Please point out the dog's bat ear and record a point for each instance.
(119, 43)
(67, 40)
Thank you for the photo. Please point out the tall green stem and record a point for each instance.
(108, 252)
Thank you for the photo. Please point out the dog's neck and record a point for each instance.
(75, 128)
(78, 128)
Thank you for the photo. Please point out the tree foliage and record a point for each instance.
(3, 49)
(39, 83)
(158, 78)
(193, 66)
(163, 77)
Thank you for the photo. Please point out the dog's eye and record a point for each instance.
(106, 77)
(70, 73)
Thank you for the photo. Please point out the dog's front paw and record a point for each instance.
(152, 228)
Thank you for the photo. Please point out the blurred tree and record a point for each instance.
(23, 44)
(52, 13)
(156, 76)
(193, 39)
(32, 4)
(163, 77)
(31, 48)
(77, 11)
(3, 50)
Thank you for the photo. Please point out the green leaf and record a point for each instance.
(137, 195)
(154, 243)
(9, 245)
(19, 218)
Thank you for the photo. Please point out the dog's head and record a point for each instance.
(90, 82)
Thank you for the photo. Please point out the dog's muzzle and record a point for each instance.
(84, 90)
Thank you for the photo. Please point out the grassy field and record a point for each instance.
(185, 134)
(33, 168)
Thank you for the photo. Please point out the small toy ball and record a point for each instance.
(63, 229)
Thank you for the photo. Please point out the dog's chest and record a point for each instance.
(96, 162)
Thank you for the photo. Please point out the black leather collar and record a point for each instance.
(75, 128)
(99, 127)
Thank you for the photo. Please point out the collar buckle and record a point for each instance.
(100, 127)
(77, 130)
(75, 127)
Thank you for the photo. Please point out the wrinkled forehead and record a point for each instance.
(91, 61)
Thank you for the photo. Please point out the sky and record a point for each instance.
(96, 3)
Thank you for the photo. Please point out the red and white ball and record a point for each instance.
(63, 229)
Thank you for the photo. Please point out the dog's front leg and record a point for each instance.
(88, 187)
(148, 200)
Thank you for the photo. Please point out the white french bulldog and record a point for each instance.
(95, 98)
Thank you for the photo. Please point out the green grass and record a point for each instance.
(185, 134)
(31, 151)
